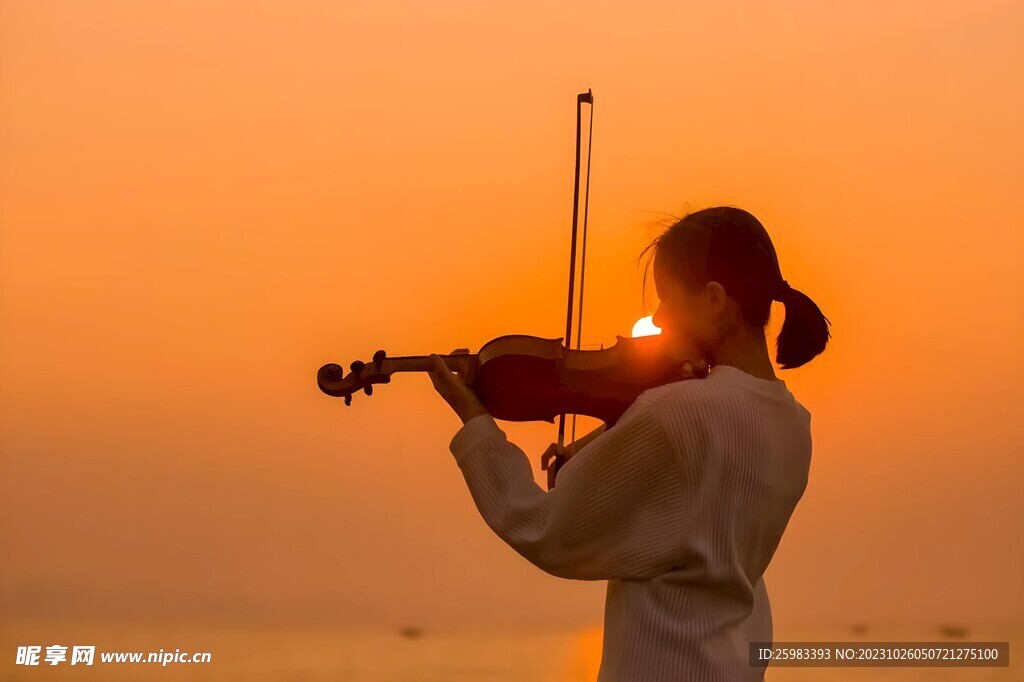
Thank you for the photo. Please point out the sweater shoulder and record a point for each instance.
(680, 394)
(683, 407)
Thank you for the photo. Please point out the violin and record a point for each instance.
(519, 377)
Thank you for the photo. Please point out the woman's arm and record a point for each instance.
(620, 509)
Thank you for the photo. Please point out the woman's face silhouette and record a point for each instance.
(667, 314)
(697, 319)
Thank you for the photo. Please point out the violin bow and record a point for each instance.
(583, 98)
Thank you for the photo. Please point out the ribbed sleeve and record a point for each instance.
(619, 509)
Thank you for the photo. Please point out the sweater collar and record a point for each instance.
(778, 385)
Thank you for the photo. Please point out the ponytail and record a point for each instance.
(805, 331)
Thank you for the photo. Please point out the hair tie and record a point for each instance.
(782, 290)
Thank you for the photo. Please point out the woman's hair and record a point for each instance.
(730, 246)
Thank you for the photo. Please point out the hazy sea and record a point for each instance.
(308, 655)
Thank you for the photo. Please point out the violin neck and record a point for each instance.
(462, 362)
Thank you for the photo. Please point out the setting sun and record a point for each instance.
(645, 327)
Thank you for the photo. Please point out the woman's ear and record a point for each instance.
(721, 310)
(716, 296)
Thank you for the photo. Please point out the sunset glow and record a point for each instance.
(645, 327)
(201, 203)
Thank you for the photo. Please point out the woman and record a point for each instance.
(681, 505)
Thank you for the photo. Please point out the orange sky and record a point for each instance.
(203, 202)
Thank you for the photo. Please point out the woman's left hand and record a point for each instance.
(453, 388)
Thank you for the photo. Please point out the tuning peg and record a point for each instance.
(368, 389)
(378, 359)
(357, 366)
(348, 400)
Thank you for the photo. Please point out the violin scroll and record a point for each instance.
(334, 382)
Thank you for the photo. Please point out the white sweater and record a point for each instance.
(680, 507)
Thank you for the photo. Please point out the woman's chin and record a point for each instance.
(681, 346)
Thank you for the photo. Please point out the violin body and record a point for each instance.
(529, 378)
(518, 377)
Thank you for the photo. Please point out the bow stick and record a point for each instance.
(583, 98)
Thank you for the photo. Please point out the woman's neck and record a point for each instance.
(747, 352)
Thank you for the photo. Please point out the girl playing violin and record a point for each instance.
(681, 505)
